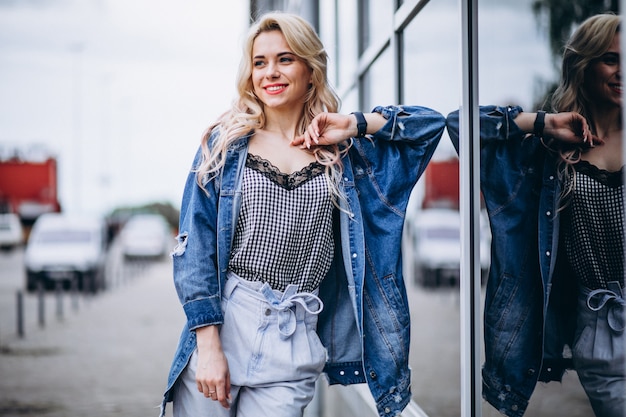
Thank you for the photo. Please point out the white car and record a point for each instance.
(67, 250)
(11, 232)
(146, 236)
(436, 237)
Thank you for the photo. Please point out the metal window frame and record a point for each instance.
(469, 181)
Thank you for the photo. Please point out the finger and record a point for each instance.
(313, 130)
(223, 396)
(298, 140)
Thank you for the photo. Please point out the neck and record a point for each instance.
(607, 121)
(283, 124)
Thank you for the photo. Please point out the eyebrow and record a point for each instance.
(278, 55)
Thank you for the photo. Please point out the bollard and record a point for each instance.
(20, 314)
(74, 291)
(41, 305)
(59, 296)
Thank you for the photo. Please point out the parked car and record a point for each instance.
(66, 249)
(146, 236)
(436, 235)
(11, 232)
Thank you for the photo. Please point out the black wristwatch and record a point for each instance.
(539, 124)
(361, 124)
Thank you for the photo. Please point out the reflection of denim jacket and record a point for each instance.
(524, 333)
(365, 323)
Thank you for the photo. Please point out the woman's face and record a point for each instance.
(603, 78)
(280, 79)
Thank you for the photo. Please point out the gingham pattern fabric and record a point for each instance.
(284, 231)
(593, 226)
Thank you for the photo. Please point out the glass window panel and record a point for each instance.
(431, 62)
(379, 21)
(350, 102)
(347, 42)
(378, 86)
(431, 78)
(329, 35)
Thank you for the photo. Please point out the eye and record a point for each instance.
(286, 59)
(258, 63)
(610, 59)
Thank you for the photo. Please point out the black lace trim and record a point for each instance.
(611, 179)
(287, 181)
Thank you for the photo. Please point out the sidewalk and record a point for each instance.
(110, 358)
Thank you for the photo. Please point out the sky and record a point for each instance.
(120, 91)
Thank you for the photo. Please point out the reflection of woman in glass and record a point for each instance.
(291, 214)
(554, 191)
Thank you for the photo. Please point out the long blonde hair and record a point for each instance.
(588, 43)
(247, 111)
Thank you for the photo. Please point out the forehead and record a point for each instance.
(270, 42)
(615, 45)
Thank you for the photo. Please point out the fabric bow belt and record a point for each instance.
(613, 300)
(283, 306)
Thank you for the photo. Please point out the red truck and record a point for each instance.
(29, 188)
(441, 184)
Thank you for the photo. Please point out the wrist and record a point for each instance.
(540, 124)
(361, 124)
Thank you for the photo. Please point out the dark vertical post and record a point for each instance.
(20, 314)
(41, 304)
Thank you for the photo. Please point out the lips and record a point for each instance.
(275, 88)
(616, 87)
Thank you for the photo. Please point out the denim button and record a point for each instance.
(548, 213)
(387, 410)
(531, 372)
(373, 375)
(342, 373)
(354, 255)
(356, 373)
(514, 407)
(268, 312)
(547, 253)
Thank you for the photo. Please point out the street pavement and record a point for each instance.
(110, 356)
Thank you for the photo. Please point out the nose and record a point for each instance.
(272, 70)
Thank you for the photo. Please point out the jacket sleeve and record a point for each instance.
(398, 153)
(496, 124)
(195, 256)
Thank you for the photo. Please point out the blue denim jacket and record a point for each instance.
(526, 320)
(365, 323)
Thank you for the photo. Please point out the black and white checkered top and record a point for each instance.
(593, 226)
(284, 231)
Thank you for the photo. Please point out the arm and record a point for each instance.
(569, 127)
(498, 123)
(393, 123)
(197, 284)
(332, 128)
(212, 374)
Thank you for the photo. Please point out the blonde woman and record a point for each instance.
(553, 186)
(289, 249)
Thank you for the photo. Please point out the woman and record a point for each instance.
(289, 251)
(553, 187)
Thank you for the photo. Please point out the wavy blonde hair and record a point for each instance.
(247, 111)
(588, 43)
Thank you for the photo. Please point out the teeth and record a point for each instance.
(275, 88)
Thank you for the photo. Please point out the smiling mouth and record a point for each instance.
(616, 87)
(275, 88)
